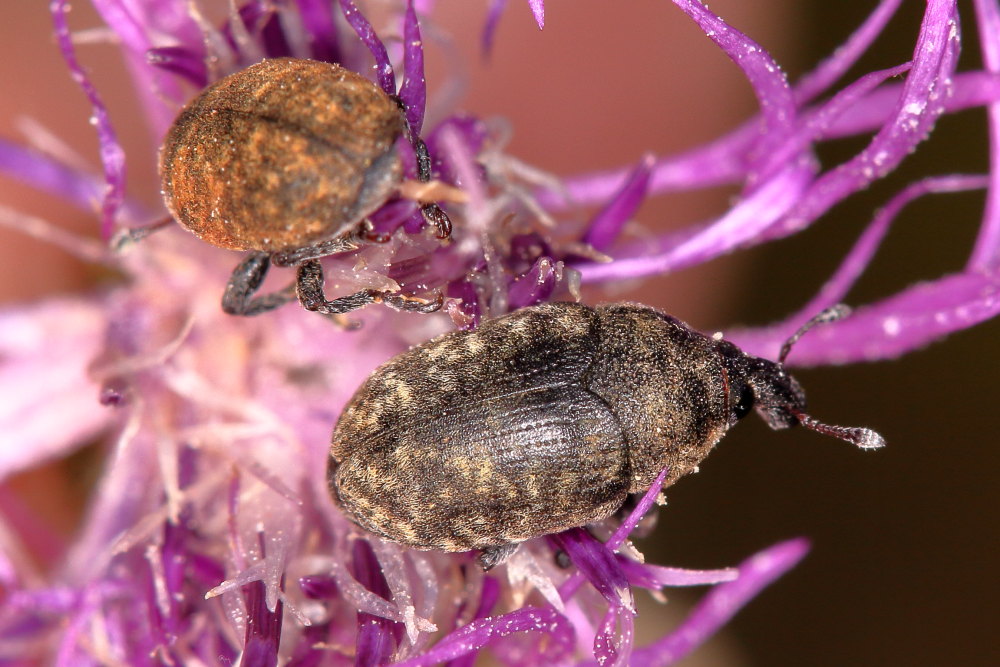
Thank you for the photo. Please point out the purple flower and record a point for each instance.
(211, 536)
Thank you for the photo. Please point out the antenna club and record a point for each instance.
(868, 439)
(864, 438)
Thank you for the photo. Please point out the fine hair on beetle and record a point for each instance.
(546, 419)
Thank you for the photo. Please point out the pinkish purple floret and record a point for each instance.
(413, 91)
(366, 33)
(112, 155)
(607, 225)
(213, 537)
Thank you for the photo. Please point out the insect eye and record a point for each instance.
(744, 403)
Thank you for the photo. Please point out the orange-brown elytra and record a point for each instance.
(283, 160)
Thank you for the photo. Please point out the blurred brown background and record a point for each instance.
(906, 539)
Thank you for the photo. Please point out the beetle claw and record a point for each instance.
(436, 216)
(412, 304)
(490, 557)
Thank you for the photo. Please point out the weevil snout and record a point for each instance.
(777, 396)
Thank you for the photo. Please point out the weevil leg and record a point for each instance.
(412, 304)
(352, 240)
(126, 237)
(433, 214)
(493, 556)
(423, 160)
(309, 285)
(239, 299)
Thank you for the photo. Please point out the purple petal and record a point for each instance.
(487, 600)
(635, 516)
(45, 352)
(986, 254)
(778, 110)
(827, 72)
(272, 34)
(425, 272)
(538, 11)
(721, 603)
(605, 227)
(470, 310)
(180, 61)
(317, 17)
(48, 175)
(818, 121)
(141, 26)
(493, 15)
(477, 634)
(750, 220)
(526, 250)
(788, 198)
(263, 628)
(257, 23)
(536, 285)
(459, 158)
(472, 132)
(134, 22)
(384, 75)
(922, 101)
(744, 223)
(909, 320)
(724, 160)
(27, 616)
(615, 637)
(720, 162)
(112, 155)
(767, 341)
(170, 573)
(375, 642)
(415, 222)
(969, 90)
(311, 649)
(393, 215)
(377, 637)
(598, 565)
(655, 577)
(70, 649)
(413, 92)
(318, 587)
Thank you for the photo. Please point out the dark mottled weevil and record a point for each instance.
(285, 159)
(544, 420)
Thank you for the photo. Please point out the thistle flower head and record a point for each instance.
(211, 535)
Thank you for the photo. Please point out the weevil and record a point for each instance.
(284, 160)
(546, 419)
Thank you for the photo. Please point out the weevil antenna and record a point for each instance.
(832, 314)
(865, 438)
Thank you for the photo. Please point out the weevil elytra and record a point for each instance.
(284, 159)
(544, 420)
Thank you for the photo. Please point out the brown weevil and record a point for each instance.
(285, 159)
(546, 419)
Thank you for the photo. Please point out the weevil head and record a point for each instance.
(761, 385)
(767, 387)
